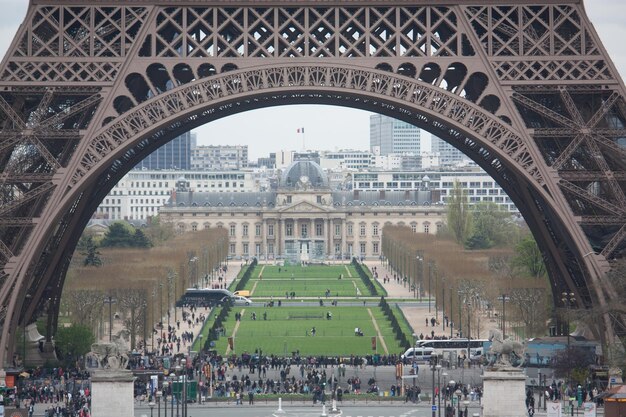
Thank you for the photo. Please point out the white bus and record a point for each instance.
(457, 345)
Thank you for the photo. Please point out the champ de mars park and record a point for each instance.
(314, 283)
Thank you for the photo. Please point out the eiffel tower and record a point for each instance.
(525, 88)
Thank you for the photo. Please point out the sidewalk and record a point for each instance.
(417, 316)
(176, 313)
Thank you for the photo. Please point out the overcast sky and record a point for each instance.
(275, 128)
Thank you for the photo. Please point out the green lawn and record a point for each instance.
(288, 329)
(306, 281)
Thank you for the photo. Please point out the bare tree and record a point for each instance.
(531, 306)
(132, 303)
(85, 306)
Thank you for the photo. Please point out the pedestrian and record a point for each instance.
(426, 321)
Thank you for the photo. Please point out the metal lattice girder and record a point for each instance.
(86, 87)
(617, 239)
(26, 197)
(590, 175)
(586, 195)
(603, 220)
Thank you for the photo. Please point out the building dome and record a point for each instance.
(304, 174)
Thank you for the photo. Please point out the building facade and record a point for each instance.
(304, 219)
(175, 154)
(140, 194)
(219, 157)
(448, 154)
(479, 185)
(393, 136)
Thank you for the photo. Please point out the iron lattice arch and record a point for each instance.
(525, 89)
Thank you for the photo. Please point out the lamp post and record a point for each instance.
(419, 273)
(161, 302)
(430, 291)
(153, 310)
(184, 390)
(445, 396)
(176, 392)
(458, 394)
(465, 403)
(170, 279)
(158, 397)
(504, 298)
(165, 386)
(435, 367)
(439, 385)
(151, 404)
(460, 322)
(568, 301)
(443, 303)
(414, 367)
(110, 301)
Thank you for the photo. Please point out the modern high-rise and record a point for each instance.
(448, 154)
(175, 154)
(393, 136)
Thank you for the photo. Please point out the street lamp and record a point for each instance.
(445, 375)
(435, 367)
(170, 278)
(419, 274)
(430, 290)
(414, 367)
(465, 403)
(151, 404)
(184, 388)
(158, 397)
(504, 298)
(568, 301)
(165, 385)
(110, 301)
(458, 394)
(445, 396)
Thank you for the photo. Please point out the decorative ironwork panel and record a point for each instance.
(266, 32)
(74, 44)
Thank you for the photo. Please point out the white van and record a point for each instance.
(238, 300)
(422, 354)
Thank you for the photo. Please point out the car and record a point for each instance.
(239, 300)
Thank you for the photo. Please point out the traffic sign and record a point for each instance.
(433, 408)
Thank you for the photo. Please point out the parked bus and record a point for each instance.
(451, 345)
(205, 297)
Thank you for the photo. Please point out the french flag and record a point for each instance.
(301, 130)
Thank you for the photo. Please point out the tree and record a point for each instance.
(73, 342)
(574, 362)
(91, 254)
(132, 303)
(85, 306)
(531, 305)
(491, 226)
(118, 235)
(529, 258)
(459, 214)
(159, 232)
(140, 240)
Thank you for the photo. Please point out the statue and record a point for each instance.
(504, 350)
(109, 355)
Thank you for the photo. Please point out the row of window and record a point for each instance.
(258, 249)
(319, 229)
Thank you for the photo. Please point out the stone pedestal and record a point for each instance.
(112, 393)
(504, 393)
